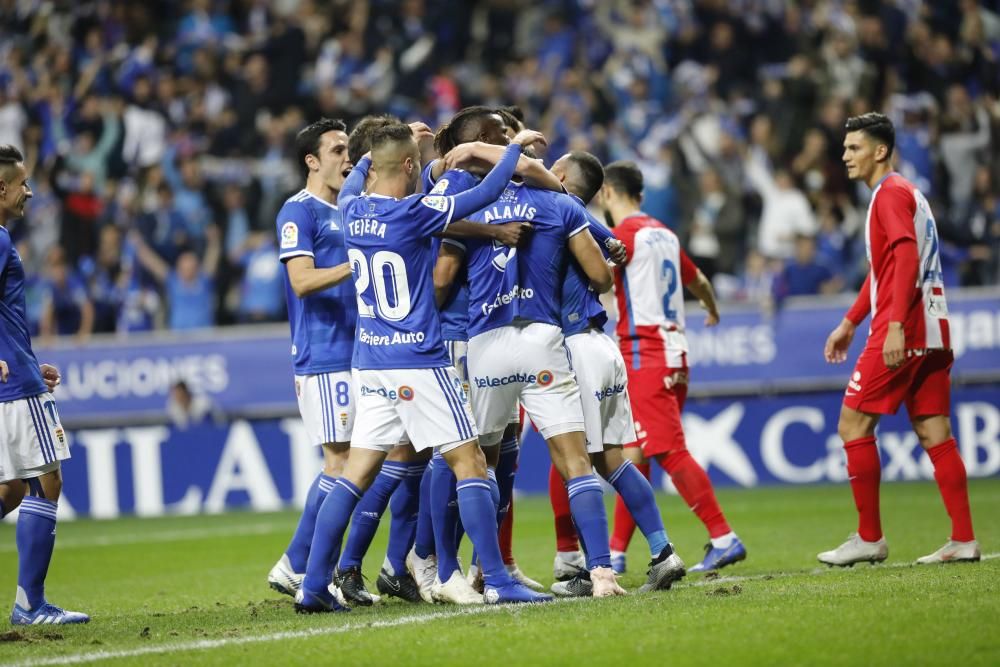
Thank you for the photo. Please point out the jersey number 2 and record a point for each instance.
(669, 273)
(387, 270)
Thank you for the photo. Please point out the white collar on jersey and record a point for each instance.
(320, 200)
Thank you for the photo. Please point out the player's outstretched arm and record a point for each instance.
(702, 289)
(306, 279)
(532, 171)
(508, 233)
(490, 188)
(590, 258)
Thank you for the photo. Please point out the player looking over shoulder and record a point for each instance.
(907, 358)
(32, 440)
(406, 381)
(322, 314)
(651, 339)
(600, 371)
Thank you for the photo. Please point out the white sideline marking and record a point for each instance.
(208, 644)
(176, 535)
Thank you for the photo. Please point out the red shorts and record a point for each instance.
(657, 410)
(923, 382)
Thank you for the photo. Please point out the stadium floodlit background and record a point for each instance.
(159, 135)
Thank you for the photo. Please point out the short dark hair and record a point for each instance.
(307, 140)
(461, 128)
(515, 121)
(591, 174)
(383, 137)
(875, 125)
(360, 141)
(626, 177)
(9, 155)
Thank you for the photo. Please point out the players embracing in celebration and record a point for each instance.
(907, 358)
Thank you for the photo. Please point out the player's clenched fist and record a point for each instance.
(3, 371)
(511, 233)
(50, 375)
(617, 251)
(837, 343)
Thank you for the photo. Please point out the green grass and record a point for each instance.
(161, 585)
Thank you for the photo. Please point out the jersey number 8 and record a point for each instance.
(387, 270)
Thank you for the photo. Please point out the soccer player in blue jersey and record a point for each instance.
(516, 351)
(600, 371)
(406, 382)
(32, 440)
(322, 312)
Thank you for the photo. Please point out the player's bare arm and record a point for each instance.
(532, 171)
(508, 233)
(307, 279)
(701, 287)
(449, 261)
(588, 255)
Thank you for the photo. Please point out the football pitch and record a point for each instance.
(192, 590)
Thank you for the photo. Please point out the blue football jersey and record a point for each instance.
(455, 309)
(522, 283)
(392, 253)
(581, 306)
(322, 323)
(15, 344)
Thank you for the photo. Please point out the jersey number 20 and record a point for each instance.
(386, 272)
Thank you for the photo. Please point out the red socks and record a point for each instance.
(506, 535)
(864, 470)
(949, 472)
(624, 523)
(695, 488)
(565, 530)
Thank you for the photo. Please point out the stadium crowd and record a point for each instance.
(159, 133)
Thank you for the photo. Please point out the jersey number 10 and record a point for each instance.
(386, 271)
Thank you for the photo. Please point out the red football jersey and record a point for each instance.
(650, 295)
(897, 212)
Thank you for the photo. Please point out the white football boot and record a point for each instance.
(457, 591)
(424, 572)
(856, 550)
(567, 564)
(283, 579)
(954, 552)
(522, 578)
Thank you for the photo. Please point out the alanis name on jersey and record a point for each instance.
(397, 338)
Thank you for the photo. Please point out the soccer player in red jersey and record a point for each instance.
(908, 356)
(651, 337)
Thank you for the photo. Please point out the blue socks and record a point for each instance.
(491, 479)
(506, 467)
(298, 548)
(638, 496)
(368, 513)
(478, 512)
(586, 504)
(445, 517)
(423, 542)
(36, 537)
(405, 504)
(331, 524)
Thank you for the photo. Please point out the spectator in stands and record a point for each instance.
(66, 308)
(263, 292)
(804, 275)
(189, 288)
(786, 210)
(187, 409)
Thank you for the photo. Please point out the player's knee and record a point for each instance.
(853, 425)
(51, 484)
(932, 430)
(467, 461)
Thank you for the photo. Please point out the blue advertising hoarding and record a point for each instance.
(249, 372)
(267, 464)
